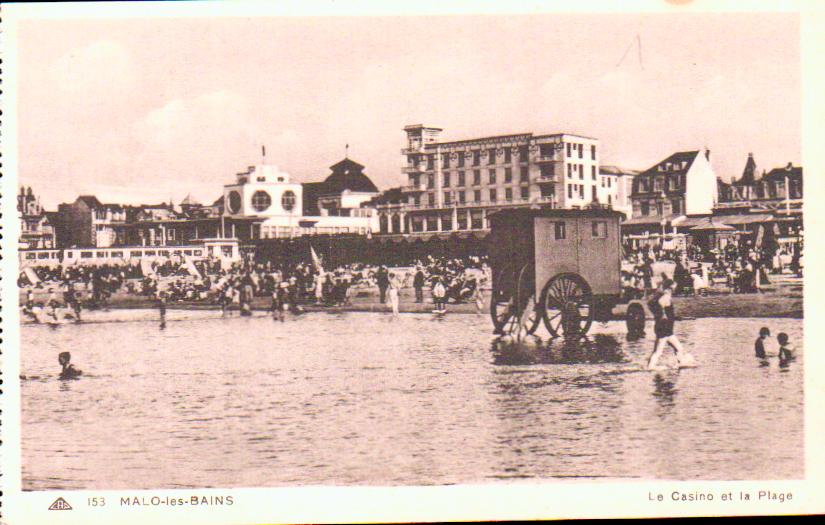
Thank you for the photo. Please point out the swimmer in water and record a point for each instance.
(759, 344)
(69, 371)
(786, 350)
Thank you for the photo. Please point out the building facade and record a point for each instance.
(778, 190)
(616, 187)
(88, 223)
(36, 224)
(454, 186)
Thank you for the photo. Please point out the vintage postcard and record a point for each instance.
(326, 261)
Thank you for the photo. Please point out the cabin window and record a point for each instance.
(198, 252)
(187, 252)
(44, 255)
(86, 255)
(117, 254)
(30, 256)
(150, 253)
(561, 231)
(599, 229)
(136, 253)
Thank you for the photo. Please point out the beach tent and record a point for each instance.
(146, 268)
(191, 268)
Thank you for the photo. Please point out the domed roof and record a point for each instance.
(348, 175)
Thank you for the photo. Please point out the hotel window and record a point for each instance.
(493, 195)
(508, 194)
(593, 152)
(492, 176)
(432, 223)
(476, 177)
(657, 184)
(462, 221)
(445, 183)
(522, 153)
(447, 222)
(431, 199)
(676, 205)
(525, 174)
(430, 162)
(508, 155)
(525, 192)
(593, 172)
(461, 159)
(491, 156)
(659, 209)
(430, 181)
(581, 191)
(644, 208)
(568, 149)
(508, 174)
(599, 229)
(477, 220)
(477, 195)
(569, 191)
(593, 196)
(462, 196)
(609, 182)
(610, 199)
(446, 198)
(569, 171)
(560, 231)
(417, 200)
(476, 158)
(445, 161)
(581, 150)
(581, 172)
(461, 178)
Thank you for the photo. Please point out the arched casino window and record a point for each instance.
(261, 200)
(288, 200)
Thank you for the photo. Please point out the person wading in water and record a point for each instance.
(661, 304)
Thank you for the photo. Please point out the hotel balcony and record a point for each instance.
(546, 158)
(414, 168)
(546, 178)
(414, 188)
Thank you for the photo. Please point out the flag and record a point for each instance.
(316, 261)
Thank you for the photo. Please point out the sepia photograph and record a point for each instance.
(405, 251)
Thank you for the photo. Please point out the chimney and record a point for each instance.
(707, 154)
(789, 167)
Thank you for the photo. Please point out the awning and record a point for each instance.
(749, 218)
(649, 221)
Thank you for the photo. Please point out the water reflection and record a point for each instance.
(598, 348)
(664, 390)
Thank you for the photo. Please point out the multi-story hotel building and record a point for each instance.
(453, 186)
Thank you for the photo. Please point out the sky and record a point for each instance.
(144, 110)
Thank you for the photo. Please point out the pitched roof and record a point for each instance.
(749, 173)
(90, 201)
(616, 170)
(780, 173)
(679, 162)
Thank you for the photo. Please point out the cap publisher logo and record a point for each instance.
(60, 504)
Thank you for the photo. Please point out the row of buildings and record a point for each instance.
(451, 188)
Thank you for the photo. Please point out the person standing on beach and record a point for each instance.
(418, 284)
(395, 288)
(383, 281)
(662, 306)
(439, 295)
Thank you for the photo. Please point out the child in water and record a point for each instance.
(69, 371)
(662, 306)
(759, 344)
(786, 350)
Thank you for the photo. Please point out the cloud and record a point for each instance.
(103, 68)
